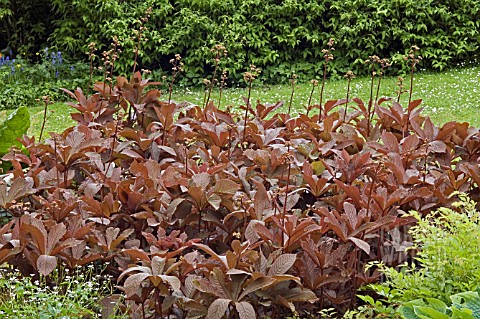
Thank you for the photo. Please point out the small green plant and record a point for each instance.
(372, 309)
(64, 294)
(447, 258)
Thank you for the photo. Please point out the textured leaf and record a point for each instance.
(218, 308)
(132, 283)
(201, 180)
(298, 294)
(351, 213)
(245, 310)
(363, 245)
(257, 284)
(9, 250)
(407, 309)
(210, 287)
(225, 186)
(15, 126)
(208, 250)
(261, 201)
(46, 264)
(55, 234)
(468, 299)
(173, 281)
(215, 201)
(463, 313)
(318, 167)
(158, 263)
(282, 264)
(189, 287)
(427, 312)
(20, 187)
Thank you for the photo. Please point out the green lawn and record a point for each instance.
(447, 96)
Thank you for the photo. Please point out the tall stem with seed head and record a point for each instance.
(249, 77)
(349, 75)
(46, 101)
(177, 68)
(292, 81)
(328, 56)
(246, 110)
(139, 34)
(413, 59)
(222, 84)
(309, 104)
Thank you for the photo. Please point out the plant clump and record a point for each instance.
(201, 212)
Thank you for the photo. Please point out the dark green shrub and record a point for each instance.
(25, 25)
(281, 37)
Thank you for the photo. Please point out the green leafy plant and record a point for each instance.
(266, 34)
(372, 308)
(446, 243)
(464, 305)
(12, 128)
(25, 82)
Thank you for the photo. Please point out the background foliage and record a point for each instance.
(280, 36)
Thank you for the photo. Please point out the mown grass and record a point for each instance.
(448, 96)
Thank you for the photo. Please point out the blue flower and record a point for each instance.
(57, 74)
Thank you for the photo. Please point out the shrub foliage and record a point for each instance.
(278, 36)
(203, 212)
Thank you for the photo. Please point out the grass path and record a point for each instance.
(448, 96)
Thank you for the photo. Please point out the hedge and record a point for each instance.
(281, 37)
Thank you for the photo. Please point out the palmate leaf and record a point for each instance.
(12, 128)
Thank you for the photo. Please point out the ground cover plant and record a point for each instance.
(67, 294)
(202, 212)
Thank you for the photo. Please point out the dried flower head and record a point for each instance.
(349, 75)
